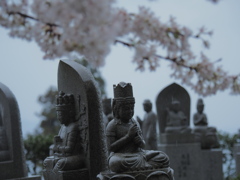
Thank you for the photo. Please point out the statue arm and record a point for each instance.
(114, 145)
(138, 139)
(200, 119)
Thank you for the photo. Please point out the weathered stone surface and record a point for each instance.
(148, 126)
(185, 160)
(12, 157)
(128, 159)
(211, 164)
(173, 111)
(164, 100)
(68, 157)
(204, 134)
(107, 110)
(75, 79)
(189, 161)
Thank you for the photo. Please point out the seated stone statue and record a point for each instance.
(67, 149)
(176, 121)
(124, 137)
(207, 136)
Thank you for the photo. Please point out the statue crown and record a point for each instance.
(64, 101)
(123, 91)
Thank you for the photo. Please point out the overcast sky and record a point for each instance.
(24, 71)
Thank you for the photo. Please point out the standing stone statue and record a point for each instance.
(107, 110)
(68, 153)
(149, 124)
(204, 134)
(128, 159)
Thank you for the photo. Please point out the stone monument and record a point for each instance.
(86, 127)
(12, 157)
(127, 159)
(188, 159)
(173, 110)
(204, 134)
(148, 125)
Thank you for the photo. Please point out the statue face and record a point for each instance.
(200, 108)
(126, 111)
(176, 107)
(147, 107)
(63, 117)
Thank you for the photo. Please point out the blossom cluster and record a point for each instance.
(89, 28)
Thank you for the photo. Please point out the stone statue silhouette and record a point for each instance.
(148, 125)
(125, 141)
(67, 148)
(204, 134)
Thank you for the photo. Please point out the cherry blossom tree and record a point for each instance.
(89, 28)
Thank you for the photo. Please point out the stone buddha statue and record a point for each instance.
(176, 121)
(204, 134)
(125, 140)
(67, 148)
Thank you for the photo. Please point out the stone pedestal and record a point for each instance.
(189, 161)
(153, 174)
(67, 175)
(27, 178)
(177, 138)
(211, 164)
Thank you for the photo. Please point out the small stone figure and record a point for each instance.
(124, 137)
(67, 149)
(107, 110)
(149, 124)
(176, 121)
(204, 134)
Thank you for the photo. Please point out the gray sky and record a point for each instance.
(24, 71)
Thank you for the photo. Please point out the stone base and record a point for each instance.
(211, 164)
(154, 174)
(27, 178)
(177, 138)
(66, 175)
(189, 161)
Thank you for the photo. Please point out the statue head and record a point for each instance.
(147, 105)
(123, 101)
(200, 106)
(175, 106)
(65, 108)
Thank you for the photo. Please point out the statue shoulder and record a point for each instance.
(74, 126)
(111, 127)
